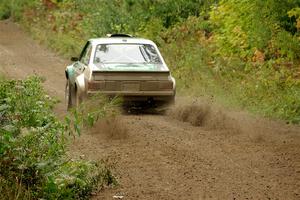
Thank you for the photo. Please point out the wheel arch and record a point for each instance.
(66, 74)
(80, 84)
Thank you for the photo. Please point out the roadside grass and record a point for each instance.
(270, 88)
(265, 91)
(33, 159)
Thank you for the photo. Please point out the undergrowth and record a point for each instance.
(33, 159)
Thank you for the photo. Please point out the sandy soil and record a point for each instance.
(196, 151)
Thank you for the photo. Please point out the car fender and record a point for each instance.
(174, 83)
(70, 73)
(80, 84)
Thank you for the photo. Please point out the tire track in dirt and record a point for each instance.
(207, 154)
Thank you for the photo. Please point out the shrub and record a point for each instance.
(32, 148)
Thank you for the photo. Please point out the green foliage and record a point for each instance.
(242, 27)
(32, 148)
(132, 16)
(5, 11)
(188, 56)
(14, 8)
(276, 93)
(263, 36)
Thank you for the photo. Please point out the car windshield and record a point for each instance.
(126, 53)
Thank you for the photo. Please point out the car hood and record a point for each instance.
(131, 67)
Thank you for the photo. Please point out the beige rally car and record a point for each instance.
(120, 65)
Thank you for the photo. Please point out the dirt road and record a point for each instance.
(194, 152)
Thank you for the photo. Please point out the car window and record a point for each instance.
(126, 53)
(86, 54)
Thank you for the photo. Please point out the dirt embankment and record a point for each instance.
(196, 151)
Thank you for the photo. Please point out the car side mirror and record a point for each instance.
(74, 59)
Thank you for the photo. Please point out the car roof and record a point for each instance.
(121, 40)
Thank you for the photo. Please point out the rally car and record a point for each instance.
(120, 65)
